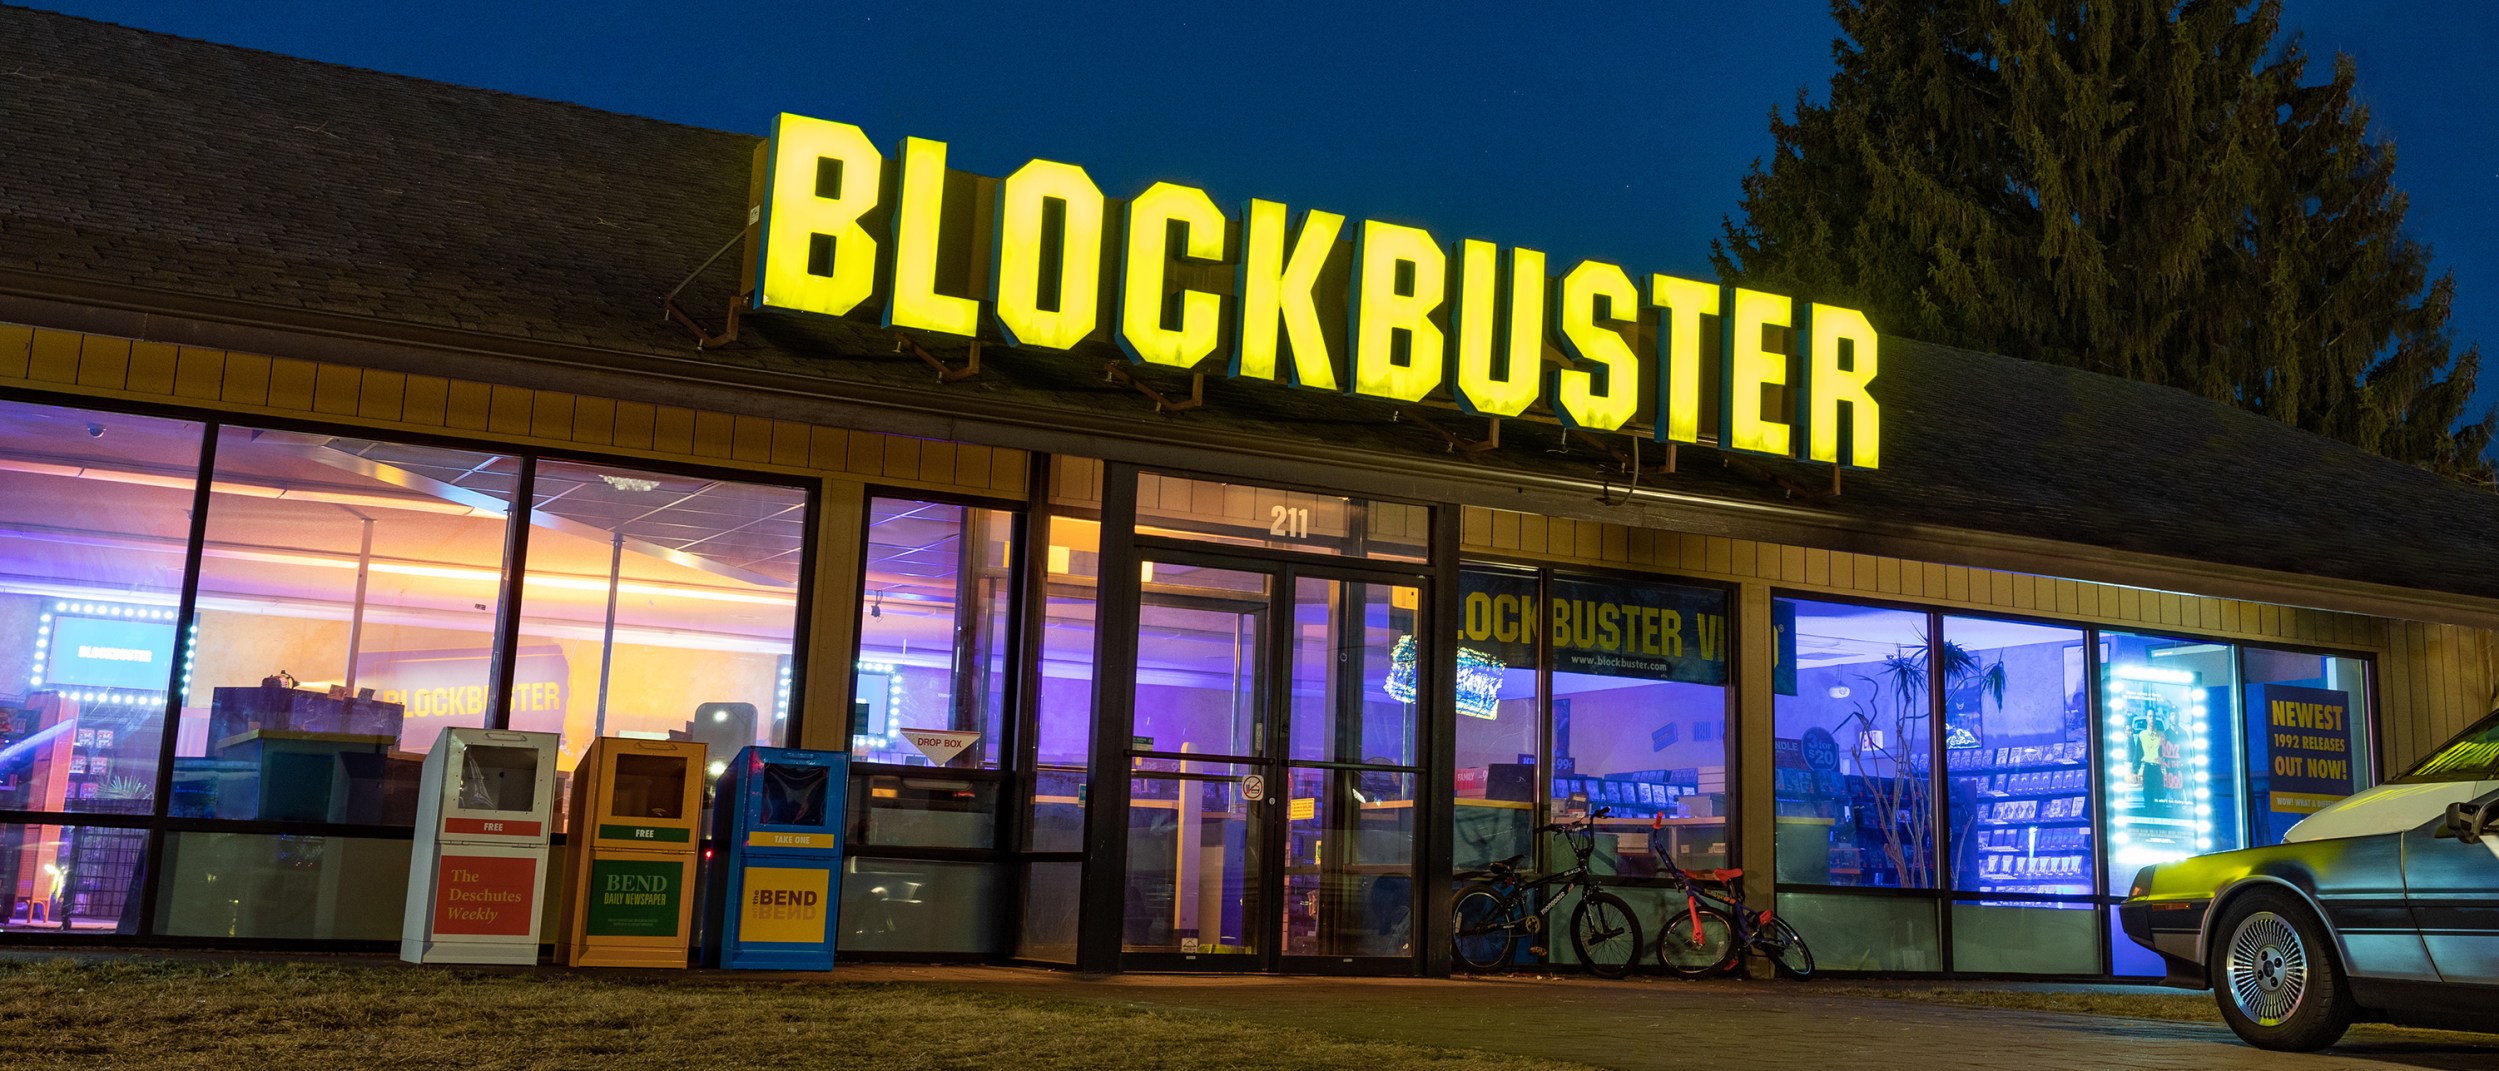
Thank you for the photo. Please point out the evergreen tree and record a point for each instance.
(2137, 187)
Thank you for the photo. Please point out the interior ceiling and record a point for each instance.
(1830, 633)
(102, 501)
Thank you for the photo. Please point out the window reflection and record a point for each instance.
(658, 606)
(933, 634)
(1852, 714)
(348, 595)
(95, 512)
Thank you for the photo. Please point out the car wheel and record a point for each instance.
(2275, 975)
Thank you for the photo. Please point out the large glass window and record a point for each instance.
(1063, 709)
(1498, 715)
(657, 606)
(933, 635)
(1636, 722)
(1852, 717)
(71, 879)
(2017, 754)
(347, 609)
(2172, 772)
(348, 596)
(2170, 760)
(1639, 675)
(261, 886)
(95, 513)
(2307, 735)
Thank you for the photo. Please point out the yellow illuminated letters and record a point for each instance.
(1022, 202)
(1749, 368)
(1793, 380)
(1400, 280)
(1276, 289)
(1830, 384)
(1679, 354)
(916, 302)
(1143, 299)
(817, 258)
(1586, 337)
(1480, 311)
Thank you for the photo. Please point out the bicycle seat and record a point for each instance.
(1723, 876)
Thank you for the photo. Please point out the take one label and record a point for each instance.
(768, 839)
(484, 895)
(785, 904)
(633, 898)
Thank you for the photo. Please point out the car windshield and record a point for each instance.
(2471, 756)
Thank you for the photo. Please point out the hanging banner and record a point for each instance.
(1783, 647)
(1662, 632)
(2308, 734)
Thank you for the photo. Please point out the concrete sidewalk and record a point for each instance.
(1664, 1025)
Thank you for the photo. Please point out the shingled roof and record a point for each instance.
(253, 185)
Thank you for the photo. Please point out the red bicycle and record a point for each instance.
(1714, 928)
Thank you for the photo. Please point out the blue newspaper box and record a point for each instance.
(776, 869)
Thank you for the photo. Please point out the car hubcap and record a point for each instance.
(2267, 969)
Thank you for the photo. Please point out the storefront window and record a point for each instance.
(72, 879)
(1247, 516)
(1640, 716)
(657, 606)
(2307, 735)
(1852, 714)
(1063, 710)
(1497, 717)
(95, 513)
(2017, 748)
(2017, 753)
(933, 635)
(348, 594)
(2172, 772)
(258, 886)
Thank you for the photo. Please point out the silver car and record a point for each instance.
(2381, 907)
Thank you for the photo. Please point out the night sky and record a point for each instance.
(1611, 130)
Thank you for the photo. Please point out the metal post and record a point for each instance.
(607, 637)
(355, 615)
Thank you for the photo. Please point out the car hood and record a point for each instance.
(2386, 809)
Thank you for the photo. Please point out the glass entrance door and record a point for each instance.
(1273, 769)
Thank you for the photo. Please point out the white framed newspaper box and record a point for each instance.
(477, 875)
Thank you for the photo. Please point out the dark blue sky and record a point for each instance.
(1617, 130)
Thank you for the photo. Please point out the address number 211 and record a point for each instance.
(1291, 522)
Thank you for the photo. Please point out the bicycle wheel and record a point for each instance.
(1696, 941)
(1485, 926)
(1605, 934)
(1785, 947)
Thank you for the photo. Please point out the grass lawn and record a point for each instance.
(60, 1013)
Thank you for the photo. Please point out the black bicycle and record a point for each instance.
(1492, 914)
(1714, 928)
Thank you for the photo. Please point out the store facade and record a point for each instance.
(1136, 671)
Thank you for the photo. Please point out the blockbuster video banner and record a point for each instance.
(1378, 309)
